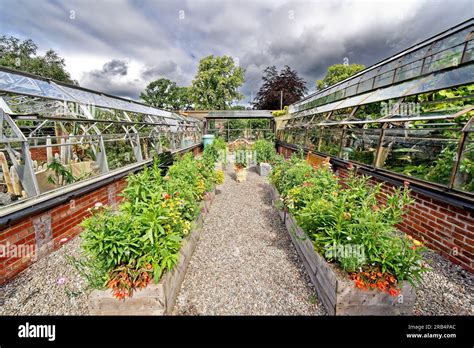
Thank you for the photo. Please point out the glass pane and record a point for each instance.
(469, 54)
(360, 145)
(119, 152)
(26, 85)
(330, 141)
(464, 179)
(365, 85)
(459, 76)
(444, 59)
(424, 151)
(408, 71)
(384, 79)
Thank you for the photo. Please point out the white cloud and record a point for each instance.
(156, 41)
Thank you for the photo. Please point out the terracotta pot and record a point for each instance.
(241, 174)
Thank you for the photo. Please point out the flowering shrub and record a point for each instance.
(141, 240)
(219, 177)
(349, 213)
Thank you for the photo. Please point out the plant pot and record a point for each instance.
(335, 290)
(264, 169)
(241, 174)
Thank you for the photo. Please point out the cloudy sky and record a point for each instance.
(119, 46)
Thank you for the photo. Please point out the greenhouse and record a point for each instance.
(359, 201)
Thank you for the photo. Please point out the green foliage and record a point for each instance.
(165, 94)
(144, 235)
(349, 213)
(265, 151)
(18, 55)
(216, 83)
(337, 73)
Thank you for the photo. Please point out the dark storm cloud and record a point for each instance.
(112, 68)
(120, 46)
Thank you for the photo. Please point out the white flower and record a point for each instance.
(98, 205)
(349, 238)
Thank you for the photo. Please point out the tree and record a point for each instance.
(165, 94)
(338, 72)
(216, 83)
(22, 55)
(285, 86)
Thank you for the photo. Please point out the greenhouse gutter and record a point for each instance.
(45, 202)
(415, 185)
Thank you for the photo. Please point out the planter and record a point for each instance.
(264, 169)
(155, 299)
(241, 174)
(335, 290)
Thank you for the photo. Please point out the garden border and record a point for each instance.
(155, 299)
(335, 290)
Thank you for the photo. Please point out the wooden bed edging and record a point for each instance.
(335, 290)
(155, 299)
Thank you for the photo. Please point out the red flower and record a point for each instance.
(166, 195)
(393, 292)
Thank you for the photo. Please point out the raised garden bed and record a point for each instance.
(155, 299)
(335, 290)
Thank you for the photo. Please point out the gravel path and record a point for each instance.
(244, 262)
(36, 290)
(446, 289)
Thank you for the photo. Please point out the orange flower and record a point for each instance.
(393, 292)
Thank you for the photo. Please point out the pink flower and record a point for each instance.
(63, 240)
(350, 166)
(61, 281)
(406, 183)
(98, 205)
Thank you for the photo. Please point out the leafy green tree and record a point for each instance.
(165, 94)
(216, 83)
(284, 88)
(338, 72)
(22, 55)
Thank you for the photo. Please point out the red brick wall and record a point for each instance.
(445, 228)
(39, 153)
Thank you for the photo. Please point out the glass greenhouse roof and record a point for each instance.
(445, 50)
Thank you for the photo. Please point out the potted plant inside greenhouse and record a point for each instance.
(265, 155)
(240, 165)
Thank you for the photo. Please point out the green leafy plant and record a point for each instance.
(265, 151)
(128, 247)
(353, 215)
